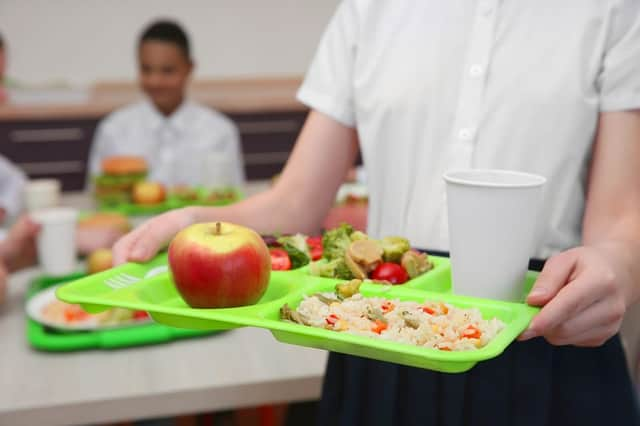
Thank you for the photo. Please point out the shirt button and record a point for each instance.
(465, 134)
(476, 70)
(486, 9)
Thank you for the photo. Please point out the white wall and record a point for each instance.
(81, 41)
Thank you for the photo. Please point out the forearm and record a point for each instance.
(272, 211)
(302, 197)
(612, 215)
(620, 242)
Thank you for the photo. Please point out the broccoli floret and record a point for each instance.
(394, 248)
(336, 241)
(342, 271)
(330, 269)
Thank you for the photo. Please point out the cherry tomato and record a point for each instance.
(279, 259)
(315, 247)
(314, 241)
(391, 272)
(315, 252)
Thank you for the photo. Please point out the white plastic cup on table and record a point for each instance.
(56, 241)
(41, 193)
(493, 228)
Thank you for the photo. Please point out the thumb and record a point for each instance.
(555, 274)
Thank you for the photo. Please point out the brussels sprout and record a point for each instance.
(358, 235)
(288, 314)
(348, 289)
(415, 263)
(394, 248)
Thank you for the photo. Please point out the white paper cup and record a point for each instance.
(41, 194)
(493, 221)
(56, 241)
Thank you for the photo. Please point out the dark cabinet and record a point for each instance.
(267, 141)
(49, 148)
(60, 148)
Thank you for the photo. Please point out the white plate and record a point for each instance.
(36, 304)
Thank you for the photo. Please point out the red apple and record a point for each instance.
(219, 265)
(148, 193)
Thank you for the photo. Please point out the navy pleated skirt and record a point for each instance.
(532, 383)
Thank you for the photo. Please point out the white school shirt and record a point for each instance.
(12, 183)
(433, 85)
(193, 146)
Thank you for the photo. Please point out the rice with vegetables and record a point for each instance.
(430, 324)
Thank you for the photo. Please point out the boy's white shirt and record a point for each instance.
(193, 146)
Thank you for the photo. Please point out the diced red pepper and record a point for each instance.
(428, 310)
(379, 326)
(387, 306)
(74, 313)
(471, 332)
(444, 308)
(332, 319)
(139, 315)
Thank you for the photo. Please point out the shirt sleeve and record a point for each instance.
(328, 84)
(12, 182)
(619, 79)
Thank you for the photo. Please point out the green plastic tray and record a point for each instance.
(47, 339)
(172, 202)
(159, 297)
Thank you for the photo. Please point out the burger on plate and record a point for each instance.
(119, 174)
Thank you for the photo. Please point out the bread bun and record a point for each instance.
(124, 165)
(106, 220)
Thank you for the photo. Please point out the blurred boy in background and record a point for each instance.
(180, 139)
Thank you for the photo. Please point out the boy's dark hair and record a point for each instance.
(167, 31)
(1, 42)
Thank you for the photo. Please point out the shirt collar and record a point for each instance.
(178, 120)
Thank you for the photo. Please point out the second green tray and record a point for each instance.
(48, 339)
(172, 202)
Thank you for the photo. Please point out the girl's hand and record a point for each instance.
(146, 240)
(585, 292)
